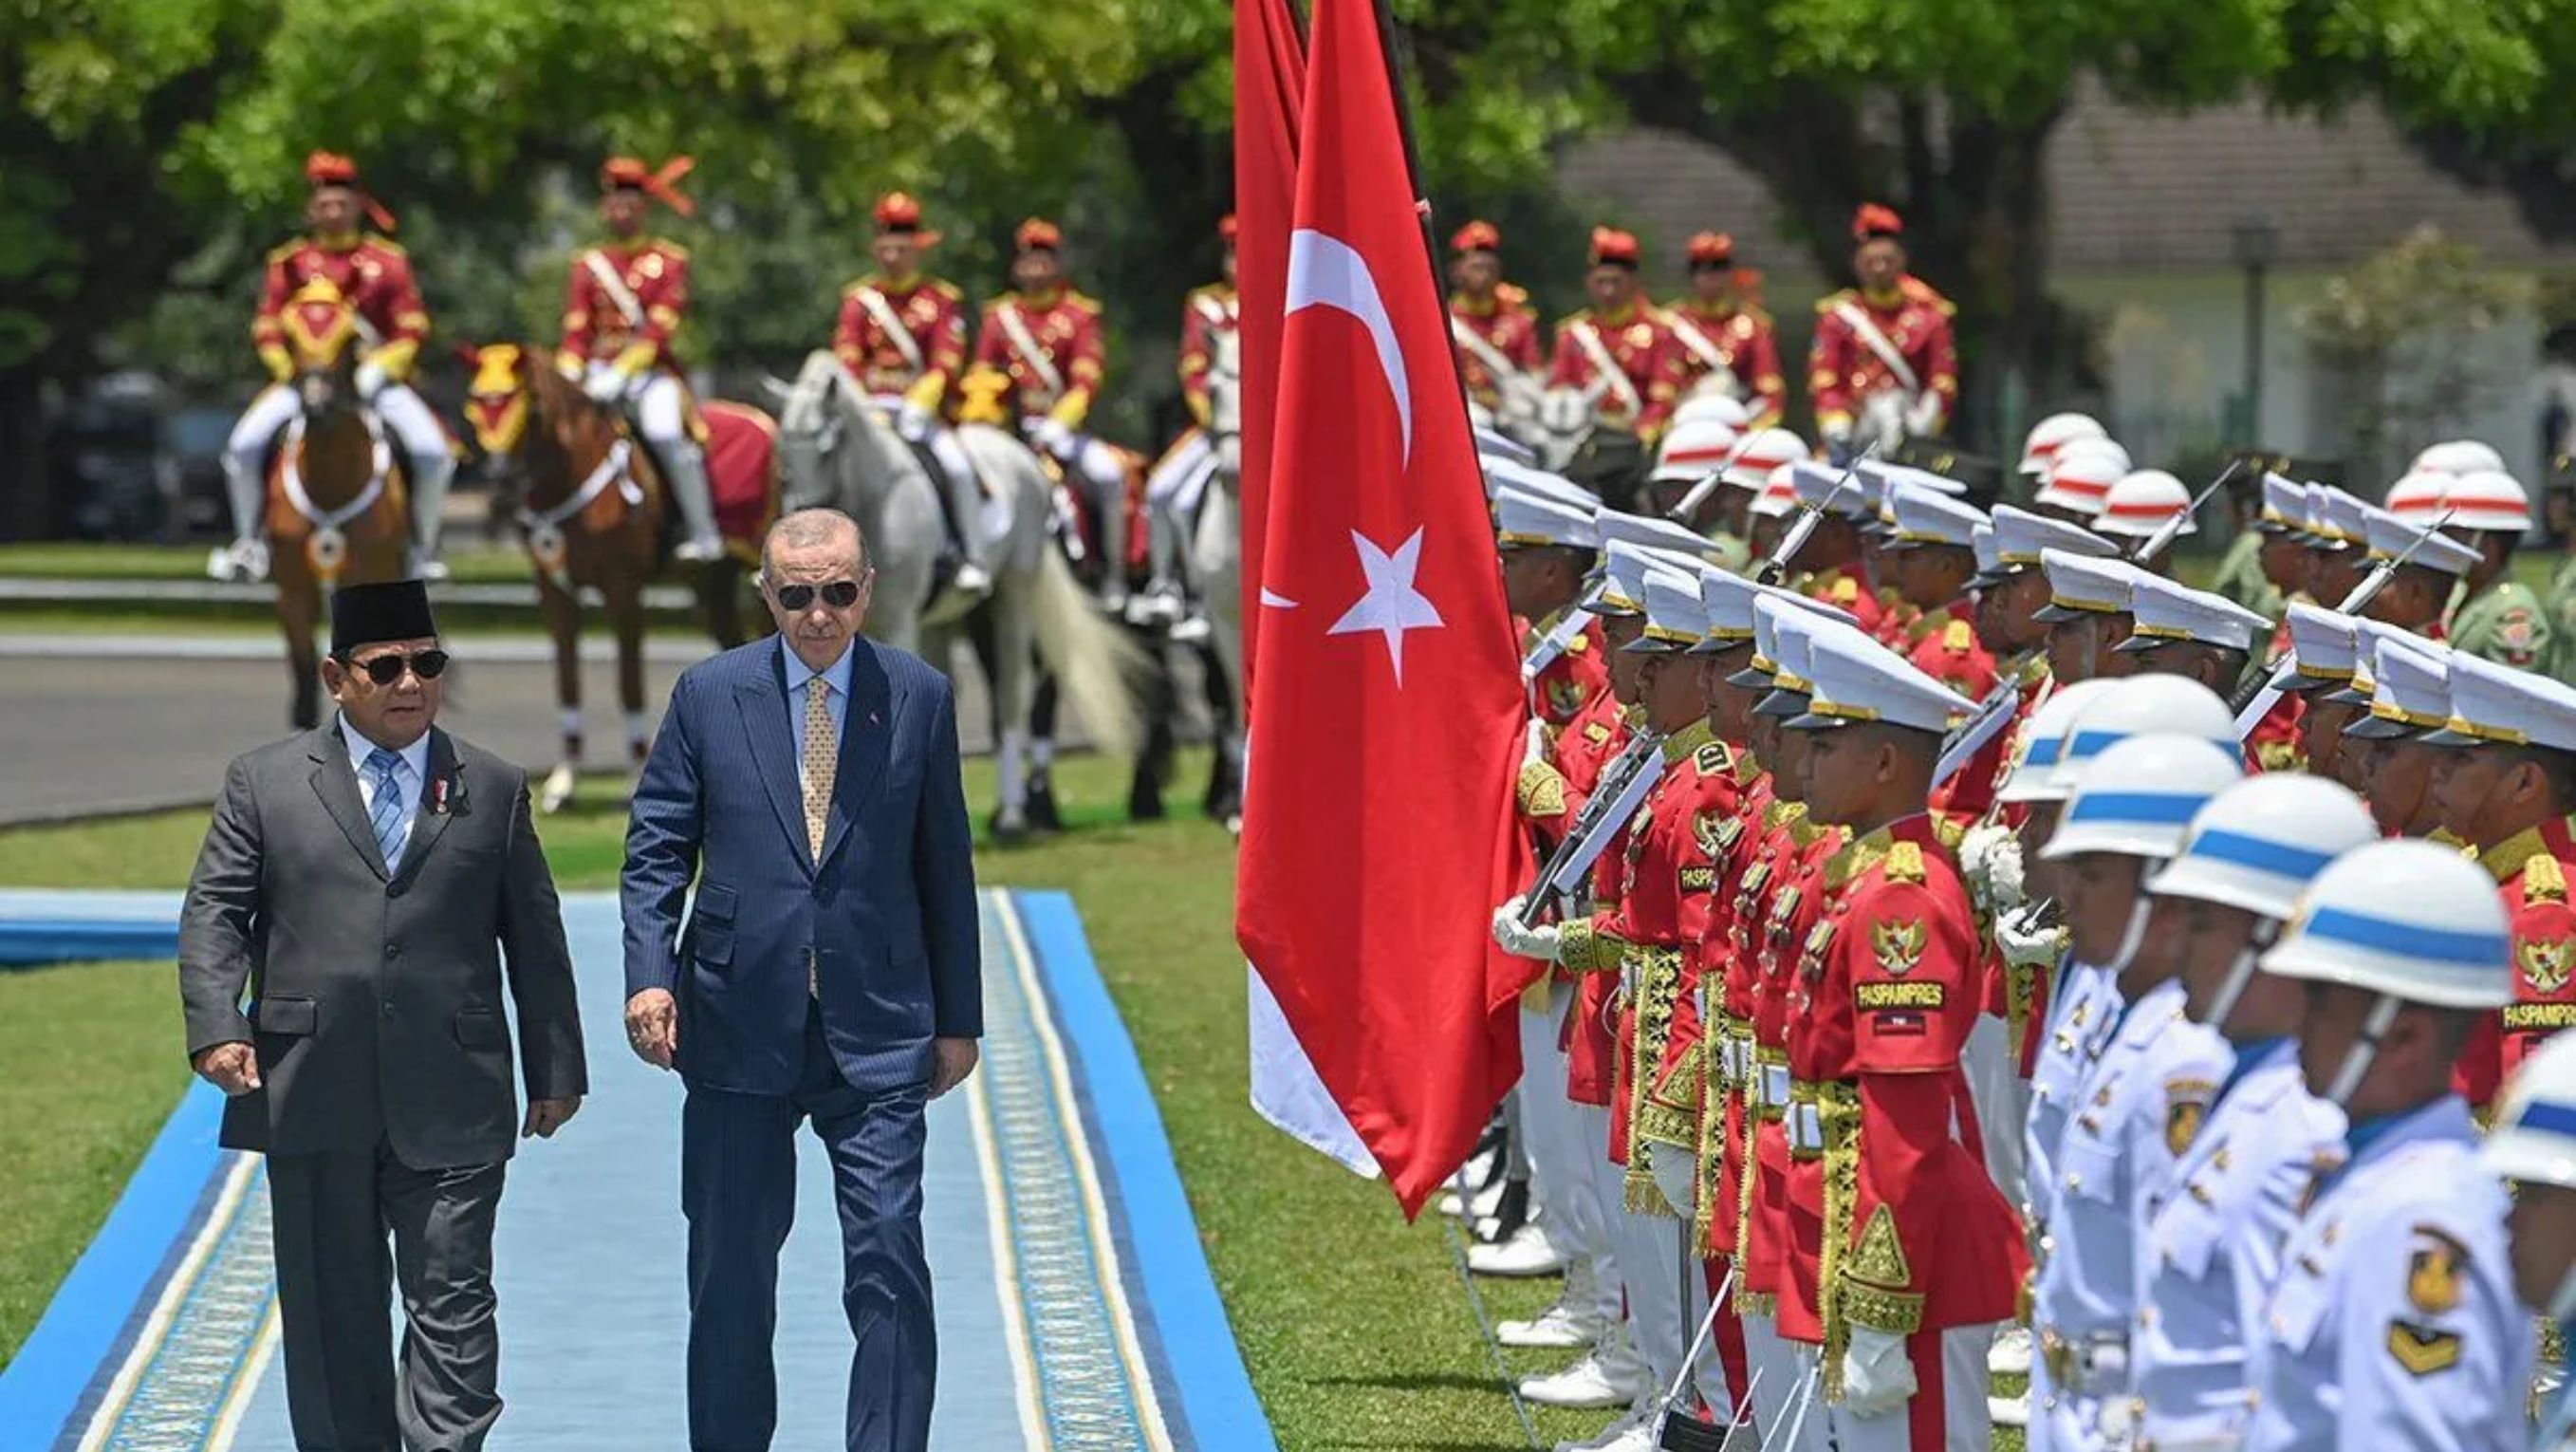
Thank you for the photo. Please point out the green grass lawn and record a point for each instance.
(86, 561)
(1353, 1323)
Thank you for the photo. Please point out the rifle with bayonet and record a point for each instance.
(2254, 700)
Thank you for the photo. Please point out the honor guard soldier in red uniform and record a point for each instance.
(623, 304)
(1920, 1255)
(375, 276)
(1828, 567)
(2504, 790)
(1548, 547)
(1491, 322)
(1883, 364)
(1722, 342)
(1930, 556)
(902, 335)
(1041, 355)
(1616, 350)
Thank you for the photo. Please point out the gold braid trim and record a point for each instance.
(1586, 947)
(1672, 1111)
(2021, 983)
(1541, 790)
(1717, 1090)
(1659, 972)
(1880, 1309)
(1838, 1115)
(1749, 1302)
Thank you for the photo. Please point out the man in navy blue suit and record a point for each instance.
(828, 970)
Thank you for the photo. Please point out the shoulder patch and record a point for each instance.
(1712, 758)
(1845, 591)
(2186, 1109)
(2543, 879)
(2422, 1350)
(1958, 636)
(1905, 862)
(2434, 1272)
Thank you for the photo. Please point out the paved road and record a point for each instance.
(106, 732)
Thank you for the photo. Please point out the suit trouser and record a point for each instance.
(738, 1189)
(1564, 1186)
(1779, 1370)
(1649, 1250)
(333, 1212)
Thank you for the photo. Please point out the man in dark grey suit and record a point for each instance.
(363, 882)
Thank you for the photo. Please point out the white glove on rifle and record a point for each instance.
(913, 422)
(1923, 417)
(1878, 1377)
(2027, 946)
(607, 386)
(1539, 942)
(371, 380)
(1990, 859)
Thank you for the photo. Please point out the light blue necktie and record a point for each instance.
(386, 816)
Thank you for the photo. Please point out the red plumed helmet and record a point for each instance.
(1478, 236)
(1610, 245)
(1711, 249)
(1037, 234)
(1874, 220)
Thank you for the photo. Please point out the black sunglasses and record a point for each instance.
(384, 670)
(840, 594)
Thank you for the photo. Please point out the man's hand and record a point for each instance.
(545, 1116)
(607, 386)
(232, 1067)
(1540, 942)
(951, 1060)
(1878, 1377)
(653, 1027)
(913, 422)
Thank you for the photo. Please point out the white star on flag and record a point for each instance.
(1391, 606)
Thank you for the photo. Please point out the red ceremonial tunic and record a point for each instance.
(1579, 673)
(1789, 911)
(1058, 369)
(1211, 314)
(1945, 648)
(1844, 371)
(1504, 323)
(1912, 1234)
(920, 356)
(2530, 869)
(1742, 342)
(1844, 590)
(654, 278)
(1640, 397)
(372, 274)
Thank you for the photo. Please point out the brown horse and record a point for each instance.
(593, 510)
(338, 511)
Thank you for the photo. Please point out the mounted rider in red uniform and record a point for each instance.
(1721, 341)
(1492, 326)
(1040, 354)
(1210, 318)
(1883, 364)
(902, 335)
(376, 277)
(622, 305)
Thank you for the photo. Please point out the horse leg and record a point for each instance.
(297, 601)
(626, 613)
(1154, 763)
(1042, 812)
(720, 596)
(1224, 799)
(562, 612)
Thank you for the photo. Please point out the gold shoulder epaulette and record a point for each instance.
(1905, 862)
(384, 243)
(858, 283)
(670, 249)
(947, 289)
(1510, 294)
(2543, 880)
(1831, 301)
(1957, 636)
(1082, 300)
(285, 250)
(1949, 832)
(1579, 315)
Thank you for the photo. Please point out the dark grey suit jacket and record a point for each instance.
(375, 1002)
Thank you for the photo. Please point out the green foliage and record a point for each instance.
(2406, 330)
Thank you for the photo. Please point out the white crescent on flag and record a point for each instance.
(1325, 271)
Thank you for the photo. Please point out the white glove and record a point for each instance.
(1051, 435)
(2026, 946)
(1923, 417)
(1990, 858)
(1836, 430)
(606, 386)
(1878, 1377)
(371, 380)
(913, 422)
(1539, 942)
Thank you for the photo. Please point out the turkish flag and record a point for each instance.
(1386, 716)
(1269, 88)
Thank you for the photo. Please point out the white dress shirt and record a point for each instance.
(409, 777)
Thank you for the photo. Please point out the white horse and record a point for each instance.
(1216, 559)
(838, 451)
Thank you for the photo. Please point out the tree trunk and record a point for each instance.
(30, 512)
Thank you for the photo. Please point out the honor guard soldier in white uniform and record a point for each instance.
(2137, 1107)
(2213, 1247)
(2395, 1323)
(2532, 1147)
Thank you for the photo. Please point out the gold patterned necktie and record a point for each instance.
(822, 760)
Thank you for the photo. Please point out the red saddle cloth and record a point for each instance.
(742, 469)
